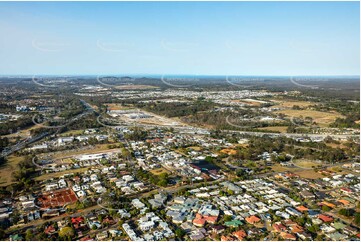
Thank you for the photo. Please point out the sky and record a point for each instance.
(184, 38)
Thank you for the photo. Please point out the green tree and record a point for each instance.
(29, 235)
(2, 234)
(209, 159)
(66, 232)
(346, 212)
(357, 219)
(180, 233)
(325, 208)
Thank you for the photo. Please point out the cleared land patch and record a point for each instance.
(60, 173)
(321, 118)
(196, 148)
(290, 103)
(91, 150)
(158, 171)
(281, 129)
(228, 151)
(310, 174)
(117, 106)
(279, 168)
(135, 87)
(72, 133)
(306, 163)
(8, 168)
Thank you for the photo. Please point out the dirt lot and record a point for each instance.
(228, 151)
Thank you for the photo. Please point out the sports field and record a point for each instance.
(57, 198)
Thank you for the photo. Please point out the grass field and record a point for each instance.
(335, 169)
(117, 106)
(310, 174)
(281, 129)
(60, 173)
(321, 118)
(279, 168)
(290, 103)
(24, 133)
(135, 87)
(8, 168)
(72, 133)
(342, 171)
(248, 102)
(182, 151)
(158, 171)
(196, 148)
(91, 150)
(341, 146)
(306, 163)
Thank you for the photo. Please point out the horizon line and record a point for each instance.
(170, 74)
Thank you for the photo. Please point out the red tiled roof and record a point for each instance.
(331, 205)
(211, 219)
(240, 234)
(279, 227)
(289, 222)
(77, 220)
(346, 189)
(302, 208)
(325, 218)
(199, 222)
(50, 229)
(86, 238)
(289, 174)
(288, 236)
(226, 238)
(344, 202)
(296, 229)
(252, 219)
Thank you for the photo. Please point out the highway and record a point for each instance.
(295, 135)
(190, 129)
(23, 143)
